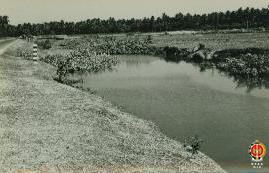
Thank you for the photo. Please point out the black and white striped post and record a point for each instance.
(35, 55)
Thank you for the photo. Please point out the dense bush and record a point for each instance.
(80, 60)
(239, 52)
(87, 60)
(247, 66)
(124, 47)
(55, 59)
(111, 45)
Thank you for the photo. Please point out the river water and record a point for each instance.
(184, 102)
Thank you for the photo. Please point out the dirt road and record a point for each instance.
(49, 127)
(5, 43)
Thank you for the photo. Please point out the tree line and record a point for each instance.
(241, 18)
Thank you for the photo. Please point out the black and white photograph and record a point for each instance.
(134, 86)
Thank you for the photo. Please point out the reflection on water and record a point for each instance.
(183, 102)
(249, 83)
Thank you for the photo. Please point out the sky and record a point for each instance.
(39, 11)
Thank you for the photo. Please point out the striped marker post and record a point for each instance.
(35, 55)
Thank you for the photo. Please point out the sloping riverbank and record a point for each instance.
(50, 127)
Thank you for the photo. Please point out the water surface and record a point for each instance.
(184, 102)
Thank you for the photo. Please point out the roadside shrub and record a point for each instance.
(24, 52)
(62, 69)
(44, 44)
(61, 62)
